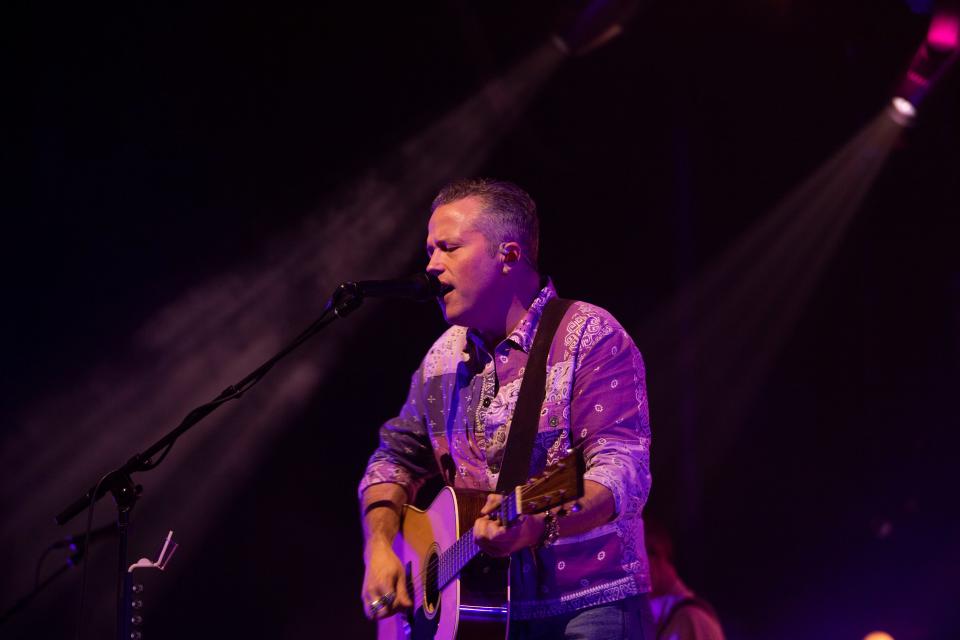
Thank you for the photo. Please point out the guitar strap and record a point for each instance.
(515, 468)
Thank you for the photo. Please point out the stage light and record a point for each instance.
(934, 57)
(902, 111)
(597, 24)
(878, 635)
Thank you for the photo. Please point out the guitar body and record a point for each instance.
(473, 605)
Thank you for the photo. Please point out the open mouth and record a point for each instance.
(444, 289)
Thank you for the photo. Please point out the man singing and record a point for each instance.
(581, 576)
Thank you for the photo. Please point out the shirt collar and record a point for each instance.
(522, 334)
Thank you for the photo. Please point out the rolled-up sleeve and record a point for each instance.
(404, 455)
(609, 412)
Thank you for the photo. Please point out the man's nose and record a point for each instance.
(435, 265)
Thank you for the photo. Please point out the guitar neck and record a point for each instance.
(457, 555)
(559, 484)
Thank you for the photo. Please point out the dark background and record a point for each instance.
(167, 145)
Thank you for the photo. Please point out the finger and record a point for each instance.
(368, 608)
(486, 532)
(403, 600)
(403, 596)
(369, 598)
(479, 528)
(493, 502)
(494, 528)
(483, 529)
(374, 590)
(367, 595)
(382, 606)
(494, 544)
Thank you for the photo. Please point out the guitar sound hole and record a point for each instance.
(431, 588)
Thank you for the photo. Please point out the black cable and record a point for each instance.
(147, 466)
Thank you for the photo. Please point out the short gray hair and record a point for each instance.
(509, 212)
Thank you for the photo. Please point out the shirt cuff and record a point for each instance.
(381, 473)
(608, 479)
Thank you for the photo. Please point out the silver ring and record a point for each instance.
(382, 602)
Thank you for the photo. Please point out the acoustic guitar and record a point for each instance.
(459, 593)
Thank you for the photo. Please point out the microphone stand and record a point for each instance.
(345, 299)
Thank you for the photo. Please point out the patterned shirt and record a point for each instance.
(456, 419)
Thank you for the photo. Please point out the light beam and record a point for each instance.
(715, 342)
(221, 329)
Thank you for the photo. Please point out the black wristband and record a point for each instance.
(381, 503)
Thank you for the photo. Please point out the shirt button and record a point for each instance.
(487, 401)
(495, 468)
(554, 421)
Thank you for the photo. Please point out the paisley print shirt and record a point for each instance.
(455, 423)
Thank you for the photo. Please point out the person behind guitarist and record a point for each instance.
(585, 575)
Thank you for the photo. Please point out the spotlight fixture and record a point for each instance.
(902, 111)
(934, 57)
(593, 24)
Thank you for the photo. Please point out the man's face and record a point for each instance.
(461, 258)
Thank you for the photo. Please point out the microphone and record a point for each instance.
(420, 287)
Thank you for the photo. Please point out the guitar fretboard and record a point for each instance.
(457, 555)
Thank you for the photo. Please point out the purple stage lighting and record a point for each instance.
(944, 29)
(920, 6)
(934, 57)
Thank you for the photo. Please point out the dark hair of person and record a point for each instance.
(658, 540)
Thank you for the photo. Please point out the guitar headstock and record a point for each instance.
(557, 485)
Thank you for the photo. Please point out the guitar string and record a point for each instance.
(434, 561)
(504, 509)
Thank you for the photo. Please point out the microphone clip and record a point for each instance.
(346, 299)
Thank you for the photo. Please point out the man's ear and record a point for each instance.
(510, 252)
